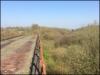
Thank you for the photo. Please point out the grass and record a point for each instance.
(8, 33)
(73, 52)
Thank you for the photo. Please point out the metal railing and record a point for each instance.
(37, 66)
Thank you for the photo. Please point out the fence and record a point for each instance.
(38, 66)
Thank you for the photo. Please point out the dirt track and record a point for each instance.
(15, 61)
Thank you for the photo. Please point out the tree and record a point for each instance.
(35, 26)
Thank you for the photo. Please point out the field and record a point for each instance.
(71, 52)
(65, 51)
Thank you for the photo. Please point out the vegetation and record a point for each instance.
(65, 51)
(71, 52)
(10, 32)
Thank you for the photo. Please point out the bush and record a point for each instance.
(74, 52)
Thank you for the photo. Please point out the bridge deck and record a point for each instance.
(16, 57)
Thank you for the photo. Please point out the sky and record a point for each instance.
(62, 14)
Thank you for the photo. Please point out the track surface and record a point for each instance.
(16, 57)
(6, 42)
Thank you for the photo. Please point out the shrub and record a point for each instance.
(74, 52)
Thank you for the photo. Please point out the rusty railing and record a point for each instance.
(38, 66)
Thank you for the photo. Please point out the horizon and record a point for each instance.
(92, 24)
(63, 14)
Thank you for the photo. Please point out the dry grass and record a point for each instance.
(8, 33)
(74, 52)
